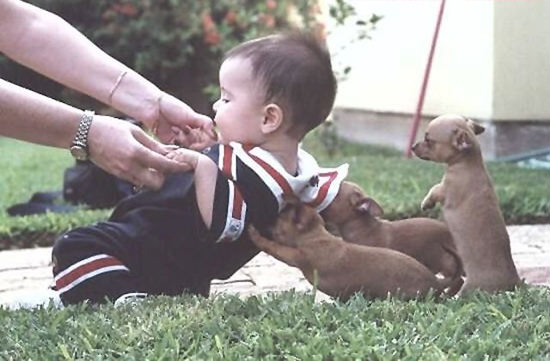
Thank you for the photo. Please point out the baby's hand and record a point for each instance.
(186, 157)
(196, 138)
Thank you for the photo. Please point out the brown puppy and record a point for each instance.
(470, 205)
(355, 216)
(338, 268)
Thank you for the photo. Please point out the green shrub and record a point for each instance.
(178, 44)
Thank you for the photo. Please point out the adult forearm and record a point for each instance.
(35, 118)
(48, 44)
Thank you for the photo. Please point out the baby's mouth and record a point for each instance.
(215, 130)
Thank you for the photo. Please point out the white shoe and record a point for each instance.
(31, 299)
(130, 298)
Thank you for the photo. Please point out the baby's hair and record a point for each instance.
(295, 71)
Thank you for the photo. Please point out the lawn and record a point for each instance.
(284, 326)
(397, 183)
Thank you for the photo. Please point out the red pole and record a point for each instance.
(418, 113)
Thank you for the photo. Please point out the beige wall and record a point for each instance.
(492, 59)
(522, 60)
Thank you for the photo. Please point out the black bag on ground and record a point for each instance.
(86, 183)
(40, 202)
(83, 183)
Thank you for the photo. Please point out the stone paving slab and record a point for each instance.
(26, 274)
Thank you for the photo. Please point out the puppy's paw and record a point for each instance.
(253, 232)
(256, 237)
(427, 203)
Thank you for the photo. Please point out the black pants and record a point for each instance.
(105, 261)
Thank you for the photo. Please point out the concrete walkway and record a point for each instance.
(26, 274)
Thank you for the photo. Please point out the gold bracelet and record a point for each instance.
(117, 83)
(155, 126)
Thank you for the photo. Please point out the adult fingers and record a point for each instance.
(150, 158)
(179, 114)
(152, 144)
(114, 147)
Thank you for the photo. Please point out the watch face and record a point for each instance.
(79, 152)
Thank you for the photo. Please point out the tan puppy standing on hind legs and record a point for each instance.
(470, 205)
(341, 269)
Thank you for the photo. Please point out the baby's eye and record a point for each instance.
(224, 100)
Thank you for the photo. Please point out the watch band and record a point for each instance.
(81, 137)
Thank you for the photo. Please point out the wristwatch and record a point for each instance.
(79, 147)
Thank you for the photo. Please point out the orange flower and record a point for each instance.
(207, 23)
(125, 9)
(271, 4)
(230, 17)
(211, 35)
(267, 19)
(212, 38)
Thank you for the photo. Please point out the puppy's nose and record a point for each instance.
(414, 146)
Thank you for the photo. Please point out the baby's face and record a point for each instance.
(239, 111)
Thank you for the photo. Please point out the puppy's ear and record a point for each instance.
(369, 206)
(461, 140)
(477, 128)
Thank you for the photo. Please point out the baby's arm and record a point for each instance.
(206, 172)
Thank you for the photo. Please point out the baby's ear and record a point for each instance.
(273, 118)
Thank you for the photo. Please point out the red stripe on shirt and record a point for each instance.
(248, 147)
(323, 191)
(86, 268)
(281, 181)
(237, 203)
(227, 161)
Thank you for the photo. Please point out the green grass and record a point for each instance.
(26, 169)
(286, 326)
(397, 183)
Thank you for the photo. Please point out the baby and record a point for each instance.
(273, 91)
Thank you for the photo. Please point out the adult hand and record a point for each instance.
(176, 117)
(127, 152)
